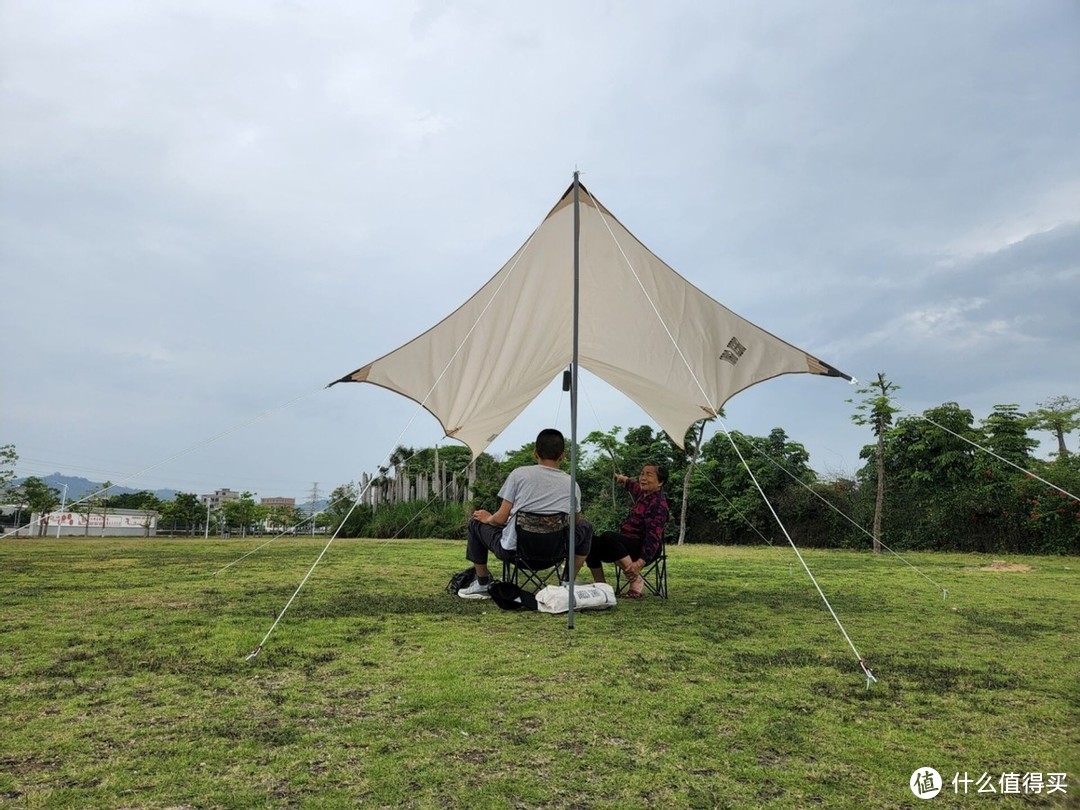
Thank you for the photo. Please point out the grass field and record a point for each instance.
(123, 681)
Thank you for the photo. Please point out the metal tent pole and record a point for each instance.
(63, 506)
(573, 408)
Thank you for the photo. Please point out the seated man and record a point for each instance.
(542, 488)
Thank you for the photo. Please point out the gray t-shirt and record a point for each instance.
(535, 489)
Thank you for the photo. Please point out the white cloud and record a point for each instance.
(155, 355)
(1054, 207)
(951, 326)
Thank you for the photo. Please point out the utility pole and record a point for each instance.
(313, 501)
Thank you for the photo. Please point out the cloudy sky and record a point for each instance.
(210, 210)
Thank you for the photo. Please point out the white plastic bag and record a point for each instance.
(587, 596)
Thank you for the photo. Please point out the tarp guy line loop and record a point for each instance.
(869, 675)
(795, 548)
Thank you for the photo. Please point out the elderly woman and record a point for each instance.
(638, 540)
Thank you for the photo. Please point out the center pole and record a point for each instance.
(574, 506)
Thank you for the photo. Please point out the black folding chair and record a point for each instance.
(543, 542)
(654, 574)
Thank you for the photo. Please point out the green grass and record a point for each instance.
(123, 681)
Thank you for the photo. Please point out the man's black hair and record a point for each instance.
(550, 444)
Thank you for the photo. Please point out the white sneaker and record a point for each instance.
(475, 591)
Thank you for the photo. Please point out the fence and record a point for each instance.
(439, 484)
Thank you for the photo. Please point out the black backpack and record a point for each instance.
(462, 579)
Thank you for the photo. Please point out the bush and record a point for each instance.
(416, 519)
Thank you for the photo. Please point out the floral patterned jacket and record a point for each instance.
(647, 519)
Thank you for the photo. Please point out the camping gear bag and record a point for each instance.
(587, 596)
(462, 579)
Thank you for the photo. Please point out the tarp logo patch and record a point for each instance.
(733, 352)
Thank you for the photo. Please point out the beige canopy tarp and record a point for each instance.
(643, 328)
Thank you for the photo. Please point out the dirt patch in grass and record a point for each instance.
(1001, 565)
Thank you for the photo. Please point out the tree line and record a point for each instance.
(185, 514)
(941, 480)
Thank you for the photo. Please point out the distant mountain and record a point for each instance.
(80, 487)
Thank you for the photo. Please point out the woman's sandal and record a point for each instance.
(639, 593)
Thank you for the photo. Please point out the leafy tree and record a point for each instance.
(322, 522)
(184, 510)
(1050, 518)
(135, 500)
(931, 449)
(41, 498)
(103, 502)
(643, 445)
(831, 511)
(168, 517)
(282, 517)
(487, 480)
(8, 459)
(733, 506)
(1006, 434)
(877, 411)
(187, 510)
(85, 506)
(399, 461)
(931, 463)
(942, 492)
(401, 455)
(694, 437)
(454, 461)
(607, 443)
(414, 462)
(243, 512)
(598, 462)
(143, 500)
(341, 515)
(1059, 415)
(89, 504)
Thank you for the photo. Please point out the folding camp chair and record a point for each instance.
(654, 574)
(542, 546)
